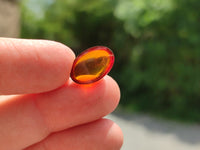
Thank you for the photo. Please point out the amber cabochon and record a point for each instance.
(92, 65)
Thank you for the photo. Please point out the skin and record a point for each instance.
(41, 108)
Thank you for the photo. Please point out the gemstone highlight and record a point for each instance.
(92, 65)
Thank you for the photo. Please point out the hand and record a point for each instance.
(45, 109)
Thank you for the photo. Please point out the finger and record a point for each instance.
(33, 117)
(99, 135)
(32, 66)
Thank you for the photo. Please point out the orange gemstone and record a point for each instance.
(92, 65)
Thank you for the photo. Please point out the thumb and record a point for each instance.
(32, 66)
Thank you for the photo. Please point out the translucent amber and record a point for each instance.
(92, 65)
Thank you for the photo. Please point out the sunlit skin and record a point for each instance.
(92, 64)
(44, 109)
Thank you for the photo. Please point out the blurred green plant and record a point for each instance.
(157, 46)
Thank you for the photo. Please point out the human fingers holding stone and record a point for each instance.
(48, 109)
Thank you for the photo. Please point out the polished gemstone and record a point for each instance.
(92, 65)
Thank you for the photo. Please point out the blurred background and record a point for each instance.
(157, 48)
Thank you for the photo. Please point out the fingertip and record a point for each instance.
(59, 59)
(115, 135)
(69, 52)
(113, 93)
(102, 97)
(104, 92)
(61, 67)
(110, 133)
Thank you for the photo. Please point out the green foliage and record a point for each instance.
(156, 43)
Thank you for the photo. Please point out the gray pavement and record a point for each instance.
(142, 132)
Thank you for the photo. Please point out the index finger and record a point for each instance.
(33, 66)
